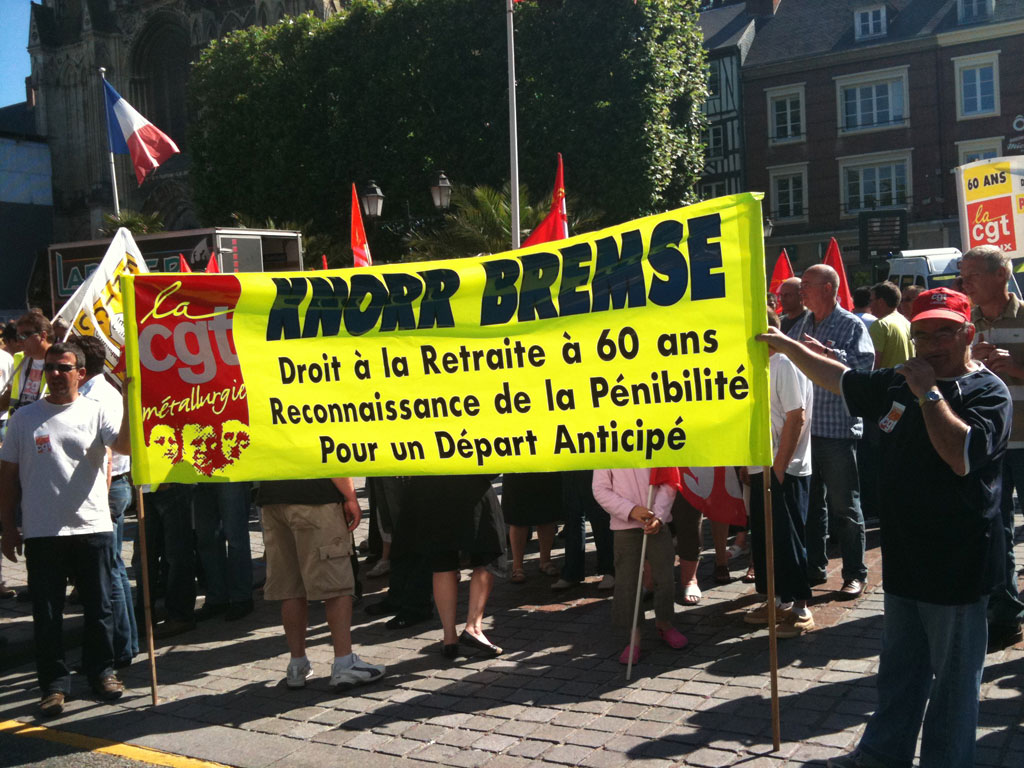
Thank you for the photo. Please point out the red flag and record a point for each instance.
(323, 259)
(782, 272)
(212, 268)
(716, 493)
(360, 248)
(835, 260)
(182, 264)
(556, 224)
(667, 476)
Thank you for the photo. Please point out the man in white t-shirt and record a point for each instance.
(54, 460)
(791, 398)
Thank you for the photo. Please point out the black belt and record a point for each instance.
(118, 477)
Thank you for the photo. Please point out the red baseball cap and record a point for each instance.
(942, 304)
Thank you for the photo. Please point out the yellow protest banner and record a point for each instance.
(628, 347)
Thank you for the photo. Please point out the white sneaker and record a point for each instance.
(360, 673)
(607, 582)
(382, 568)
(299, 671)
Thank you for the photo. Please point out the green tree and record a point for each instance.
(286, 117)
(135, 222)
(480, 222)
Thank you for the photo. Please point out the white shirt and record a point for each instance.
(790, 390)
(102, 391)
(61, 453)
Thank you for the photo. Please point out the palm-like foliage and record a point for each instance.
(135, 222)
(480, 222)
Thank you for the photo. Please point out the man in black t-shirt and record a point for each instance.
(945, 422)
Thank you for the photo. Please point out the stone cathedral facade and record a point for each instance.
(146, 47)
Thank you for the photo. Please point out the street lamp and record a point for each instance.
(441, 192)
(373, 200)
(768, 227)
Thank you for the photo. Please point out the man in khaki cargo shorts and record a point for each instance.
(307, 533)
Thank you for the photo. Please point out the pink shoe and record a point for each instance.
(624, 656)
(673, 638)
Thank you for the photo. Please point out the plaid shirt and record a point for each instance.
(844, 334)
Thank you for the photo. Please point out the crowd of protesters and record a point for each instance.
(845, 388)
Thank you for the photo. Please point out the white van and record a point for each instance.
(930, 268)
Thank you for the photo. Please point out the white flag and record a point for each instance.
(96, 309)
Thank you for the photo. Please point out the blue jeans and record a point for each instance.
(1005, 606)
(579, 505)
(169, 511)
(222, 518)
(126, 632)
(834, 479)
(89, 558)
(931, 655)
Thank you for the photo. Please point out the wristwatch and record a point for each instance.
(931, 396)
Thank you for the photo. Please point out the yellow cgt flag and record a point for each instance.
(628, 347)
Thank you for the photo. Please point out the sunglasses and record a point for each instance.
(62, 367)
(24, 336)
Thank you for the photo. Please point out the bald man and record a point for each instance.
(830, 330)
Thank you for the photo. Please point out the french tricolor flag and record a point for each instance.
(130, 133)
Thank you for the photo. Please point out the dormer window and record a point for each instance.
(869, 22)
(970, 11)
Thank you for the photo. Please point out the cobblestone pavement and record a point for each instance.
(556, 697)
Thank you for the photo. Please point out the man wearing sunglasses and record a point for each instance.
(35, 334)
(945, 424)
(54, 461)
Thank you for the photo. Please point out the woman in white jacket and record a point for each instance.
(624, 495)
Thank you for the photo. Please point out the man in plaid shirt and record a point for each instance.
(830, 330)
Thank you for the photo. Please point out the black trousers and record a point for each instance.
(789, 520)
(89, 558)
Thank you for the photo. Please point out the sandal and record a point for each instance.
(518, 576)
(691, 594)
(749, 577)
(550, 569)
(722, 575)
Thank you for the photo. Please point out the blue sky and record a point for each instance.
(14, 61)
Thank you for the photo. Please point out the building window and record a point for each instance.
(979, 149)
(977, 85)
(875, 181)
(873, 100)
(714, 142)
(970, 11)
(714, 80)
(869, 22)
(788, 185)
(713, 189)
(786, 119)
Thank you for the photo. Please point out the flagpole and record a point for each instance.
(773, 641)
(639, 588)
(113, 175)
(512, 129)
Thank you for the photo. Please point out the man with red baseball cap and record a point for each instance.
(945, 422)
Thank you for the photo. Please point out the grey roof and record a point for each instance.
(724, 26)
(17, 120)
(805, 28)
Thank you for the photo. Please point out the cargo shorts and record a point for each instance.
(308, 552)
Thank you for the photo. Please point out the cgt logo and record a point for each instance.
(187, 333)
(991, 223)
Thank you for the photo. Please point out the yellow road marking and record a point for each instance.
(93, 744)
